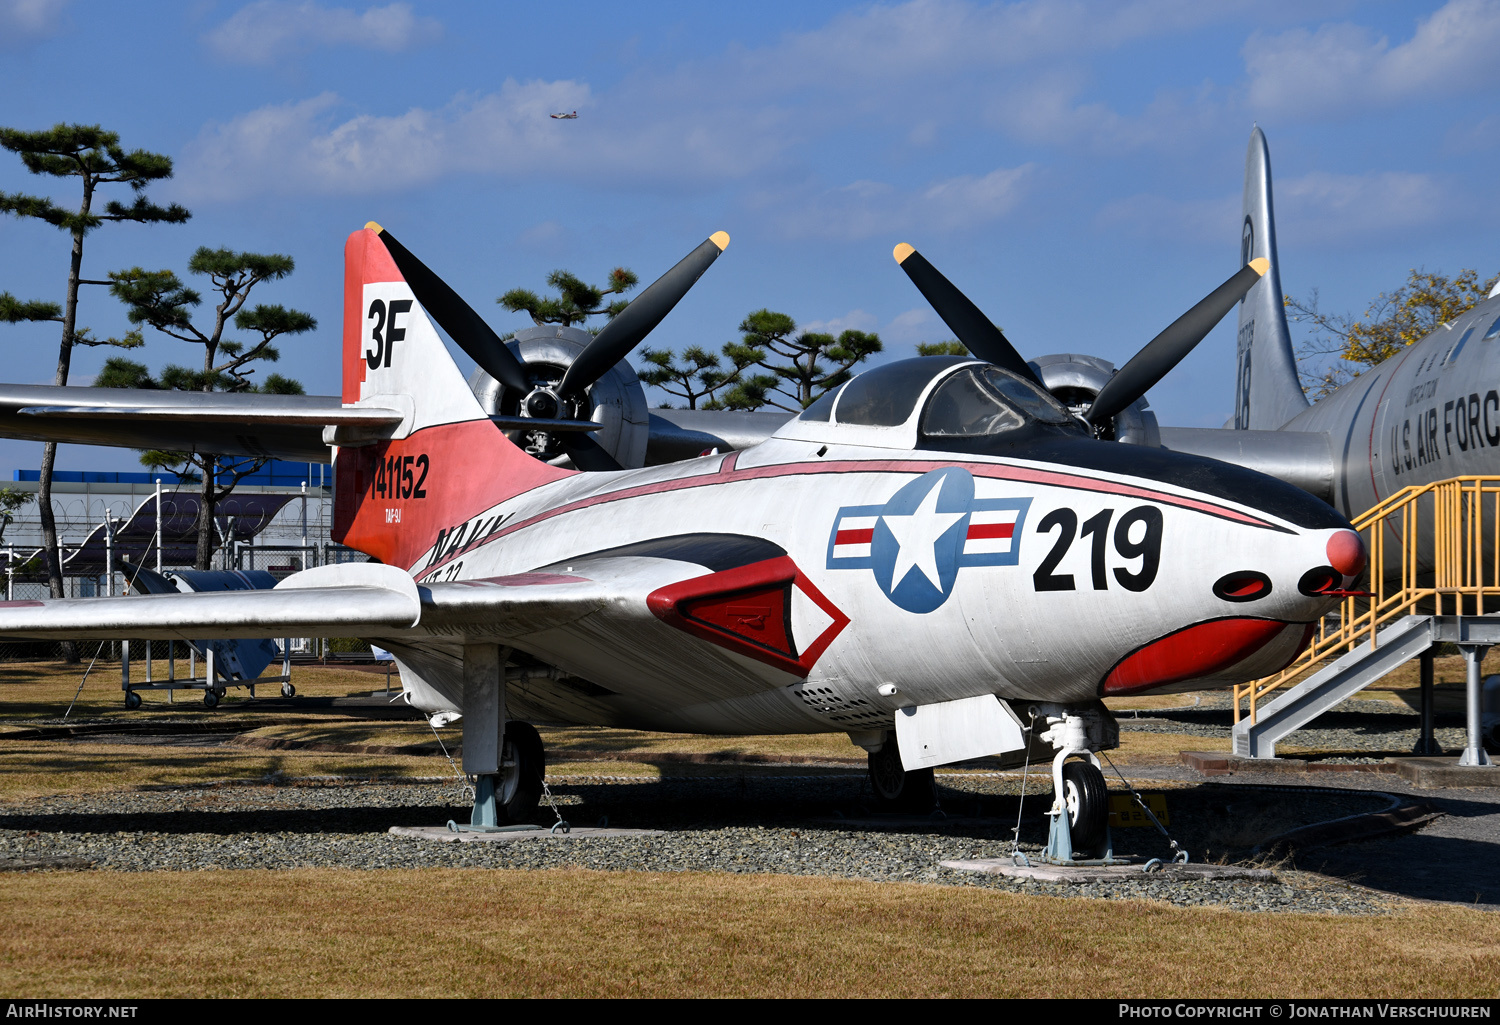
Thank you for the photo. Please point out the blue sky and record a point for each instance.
(1075, 167)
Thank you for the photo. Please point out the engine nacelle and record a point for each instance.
(615, 400)
(1075, 380)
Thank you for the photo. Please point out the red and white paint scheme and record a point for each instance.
(937, 538)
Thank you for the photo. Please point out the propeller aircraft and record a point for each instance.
(939, 558)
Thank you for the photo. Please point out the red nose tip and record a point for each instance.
(1346, 553)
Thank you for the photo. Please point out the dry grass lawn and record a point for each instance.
(30, 768)
(43, 689)
(470, 933)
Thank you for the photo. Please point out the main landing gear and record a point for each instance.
(506, 758)
(896, 790)
(511, 796)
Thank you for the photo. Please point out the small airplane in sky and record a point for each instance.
(938, 558)
(565, 117)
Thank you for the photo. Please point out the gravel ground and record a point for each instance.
(807, 825)
(1354, 726)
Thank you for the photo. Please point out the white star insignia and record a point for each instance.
(917, 535)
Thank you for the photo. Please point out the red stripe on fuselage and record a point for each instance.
(729, 474)
(982, 530)
(855, 537)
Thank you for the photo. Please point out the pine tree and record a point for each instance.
(95, 158)
(577, 301)
(952, 347)
(804, 365)
(700, 375)
(160, 300)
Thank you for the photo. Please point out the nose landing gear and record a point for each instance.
(1078, 832)
(1080, 812)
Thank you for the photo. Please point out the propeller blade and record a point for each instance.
(635, 321)
(963, 318)
(456, 317)
(586, 453)
(1167, 349)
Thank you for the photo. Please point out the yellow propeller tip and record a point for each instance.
(720, 239)
(901, 252)
(1260, 265)
(372, 226)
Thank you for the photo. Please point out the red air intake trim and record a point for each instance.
(748, 610)
(1200, 650)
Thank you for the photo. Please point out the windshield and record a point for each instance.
(986, 400)
(1033, 401)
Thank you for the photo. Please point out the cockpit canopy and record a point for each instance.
(934, 402)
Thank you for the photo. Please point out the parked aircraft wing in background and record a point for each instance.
(280, 426)
(327, 601)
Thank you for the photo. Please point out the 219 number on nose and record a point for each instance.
(1146, 547)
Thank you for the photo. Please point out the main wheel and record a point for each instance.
(896, 789)
(288, 691)
(1087, 801)
(518, 791)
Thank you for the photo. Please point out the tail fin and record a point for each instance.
(1266, 391)
(446, 462)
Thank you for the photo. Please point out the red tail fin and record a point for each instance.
(446, 462)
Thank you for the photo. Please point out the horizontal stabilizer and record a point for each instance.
(286, 427)
(333, 417)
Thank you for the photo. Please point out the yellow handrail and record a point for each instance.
(1426, 545)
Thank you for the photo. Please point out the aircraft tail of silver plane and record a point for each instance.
(1266, 392)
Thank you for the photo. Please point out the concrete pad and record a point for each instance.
(442, 834)
(1108, 873)
(1433, 773)
(1222, 763)
(37, 864)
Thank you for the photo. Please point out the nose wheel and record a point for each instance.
(1079, 830)
(1087, 802)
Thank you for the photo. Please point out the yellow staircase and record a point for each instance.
(1434, 550)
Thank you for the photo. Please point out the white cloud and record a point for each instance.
(22, 20)
(1474, 136)
(904, 330)
(312, 147)
(854, 320)
(544, 237)
(1344, 66)
(1314, 210)
(1046, 109)
(269, 30)
(1174, 220)
(1336, 208)
(887, 45)
(702, 123)
(864, 209)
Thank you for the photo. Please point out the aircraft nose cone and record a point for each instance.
(1346, 553)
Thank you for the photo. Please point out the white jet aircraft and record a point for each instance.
(937, 558)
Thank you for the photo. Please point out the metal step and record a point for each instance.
(1399, 642)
